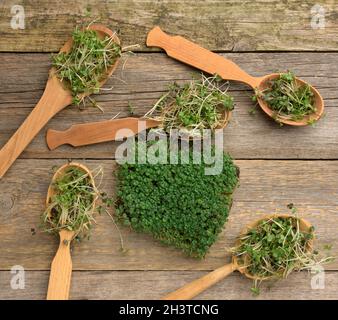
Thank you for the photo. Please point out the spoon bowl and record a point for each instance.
(194, 288)
(102, 32)
(61, 171)
(61, 268)
(304, 226)
(318, 103)
(55, 97)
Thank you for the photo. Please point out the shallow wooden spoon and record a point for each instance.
(188, 52)
(194, 288)
(55, 98)
(61, 268)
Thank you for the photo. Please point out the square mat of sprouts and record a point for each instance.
(177, 204)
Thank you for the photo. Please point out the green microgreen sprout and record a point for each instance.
(287, 98)
(88, 11)
(276, 247)
(131, 109)
(194, 106)
(85, 66)
(255, 290)
(252, 111)
(328, 247)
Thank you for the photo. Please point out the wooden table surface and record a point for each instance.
(279, 165)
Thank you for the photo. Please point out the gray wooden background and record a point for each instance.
(278, 165)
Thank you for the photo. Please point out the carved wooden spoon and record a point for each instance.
(61, 269)
(190, 53)
(194, 288)
(83, 134)
(55, 98)
(101, 131)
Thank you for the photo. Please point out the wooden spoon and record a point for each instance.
(55, 98)
(194, 288)
(102, 131)
(188, 52)
(61, 269)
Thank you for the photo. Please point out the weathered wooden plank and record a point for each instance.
(215, 24)
(90, 285)
(266, 187)
(144, 79)
(23, 75)
(246, 137)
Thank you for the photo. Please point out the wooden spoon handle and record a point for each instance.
(61, 270)
(95, 132)
(52, 101)
(194, 288)
(188, 52)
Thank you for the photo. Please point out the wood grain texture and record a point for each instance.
(145, 77)
(192, 54)
(199, 285)
(97, 132)
(155, 284)
(54, 99)
(266, 187)
(61, 269)
(215, 24)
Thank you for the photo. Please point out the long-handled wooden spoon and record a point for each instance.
(55, 98)
(101, 131)
(194, 288)
(61, 269)
(190, 53)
